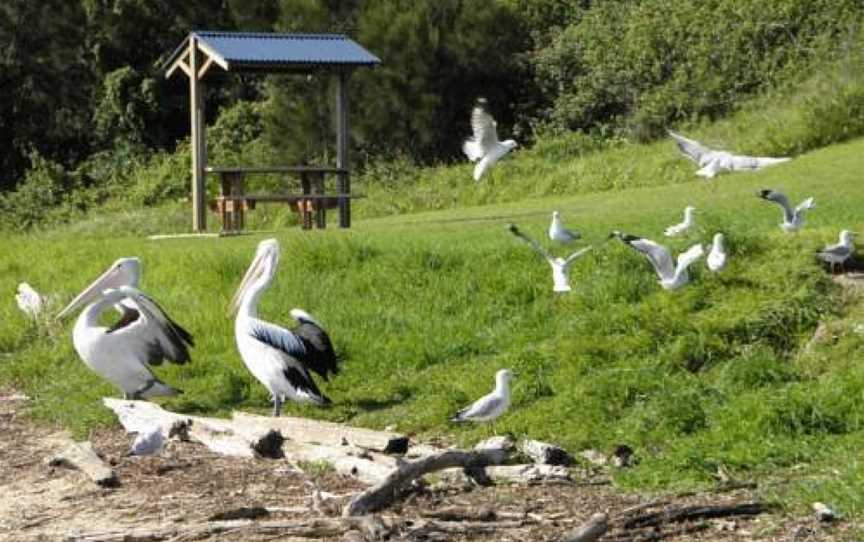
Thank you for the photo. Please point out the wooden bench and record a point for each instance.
(233, 201)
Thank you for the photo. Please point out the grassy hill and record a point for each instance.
(425, 307)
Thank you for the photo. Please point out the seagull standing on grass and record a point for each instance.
(280, 358)
(712, 162)
(557, 231)
(29, 300)
(489, 407)
(483, 147)
(838, 253)
(682, 227)
(560, 266)
(793, 219)
(672, 276)
(717, 255)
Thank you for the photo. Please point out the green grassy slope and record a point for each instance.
(424, 308)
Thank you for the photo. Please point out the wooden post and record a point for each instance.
(199, 147)
(343, 185)
(302, 205)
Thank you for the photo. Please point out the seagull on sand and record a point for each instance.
(713, 162)
(672, 276)
(483, 147)
(560, 266)
(489, 407)
(148, 442)
(557, 231)
(838, 253)
(29, 300)
(717, 256)
(793, 219)
(682, 227)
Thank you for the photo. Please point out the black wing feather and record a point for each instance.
(302, 381)
(320, 356)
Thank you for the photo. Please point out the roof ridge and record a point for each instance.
(271, 35)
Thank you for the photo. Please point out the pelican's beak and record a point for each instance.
(113, 278)
(256, 269)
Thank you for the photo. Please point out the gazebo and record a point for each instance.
(257, 52)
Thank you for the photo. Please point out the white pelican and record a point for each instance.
(713, 162)
(682, 227)
(717, 256)
(29, 300)
(840, 252)
(792, 218)
(491, 406)
(483, 147)
(671, 276)
(557, 231)
(280, 358)
(120, 353)
(127, 272)
(560, 266)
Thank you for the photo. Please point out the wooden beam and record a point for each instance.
(199, 146)
(343, 183)
(179, 63)
(205, 67)
(212, 54)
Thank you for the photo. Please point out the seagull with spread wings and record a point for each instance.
(711, 162)
(793, 219)
(483, 147)
(560, 266)
(671, 275)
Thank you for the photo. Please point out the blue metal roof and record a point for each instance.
(245, 51)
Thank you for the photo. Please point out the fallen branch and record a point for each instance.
(509, 474)
(545, 453)
(81, 456)
(689, 513)
(591, 530)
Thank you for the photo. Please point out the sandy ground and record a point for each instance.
(189, 485)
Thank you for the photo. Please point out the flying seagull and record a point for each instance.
(148, 442)
(278, 357)
(120, 353)
(713, 162)
(838, 253)
(717, 256)
(483, 147)
(557, 231)
(29, 300)
(127, 272)
(560, 266)
(489, 407)
(672, 276)
(682, 227)
(793, 219)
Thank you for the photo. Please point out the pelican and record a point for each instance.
(793, 219)
(560, 266)
(682, 227)
(280, 358)
(717, 256)
(838, 253)
(489, 407)
(712, 162)
(120, 353)
(484, 147)
(557, 231)
(671, 276)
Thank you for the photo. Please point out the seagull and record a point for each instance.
(491, 406)
(29, 300)
(127, 272)
(483, 147)
(557, 231)
(671, 276)
(560, 266)
(682, 227)
(280, 358)
(120, 353)
(713, 162)
(792, 218)
(839, 252)
(148, 442)
(717, 256)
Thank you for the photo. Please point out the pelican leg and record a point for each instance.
(277, 406)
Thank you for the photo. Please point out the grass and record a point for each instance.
(425, 307)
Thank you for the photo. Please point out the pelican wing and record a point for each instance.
(658, 255)
(538, 248)
(688, 257)
(321, 358)
(297, 358)
(690, 148)
(164, 338)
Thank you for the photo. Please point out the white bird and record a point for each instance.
(713, 162)
(793, 219)
(120, 353)
(671, 275)
(29, 300)
(717, 256)
(560, 266)
(491, 406)
(483, 147)
(127, 272)
(280, 358)
(148, 442)
(557, 231)
(682, 227)
(838, 253)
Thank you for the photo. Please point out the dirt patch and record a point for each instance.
(188, 485)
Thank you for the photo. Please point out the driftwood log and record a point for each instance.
(545, 453)
(507, 474)
(81, 456)
(591, 530)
